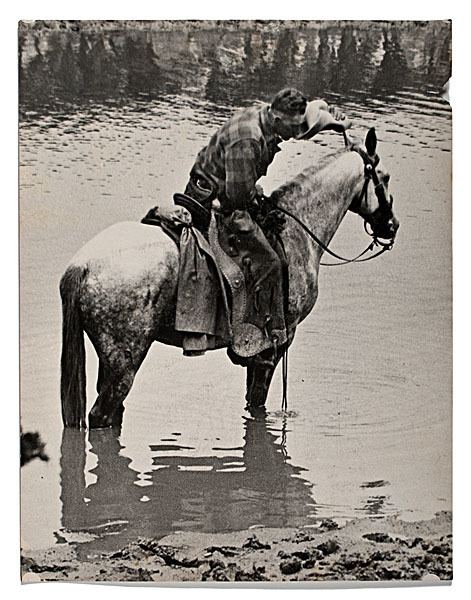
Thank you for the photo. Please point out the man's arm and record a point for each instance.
(241, 173)
(331, 117)
(321, 117)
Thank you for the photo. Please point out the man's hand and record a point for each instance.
(259, 190)
(274, 221)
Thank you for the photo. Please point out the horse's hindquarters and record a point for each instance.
(125, 296)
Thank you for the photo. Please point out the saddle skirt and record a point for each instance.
(227, 282)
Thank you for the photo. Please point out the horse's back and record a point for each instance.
(127, 250)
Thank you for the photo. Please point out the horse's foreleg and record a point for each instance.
(260, 373)
(259, 376)
(258, 384)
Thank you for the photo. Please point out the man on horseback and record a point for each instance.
(239, 153)
(228, 168)
(128, 303)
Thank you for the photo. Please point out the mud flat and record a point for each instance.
(369, 549)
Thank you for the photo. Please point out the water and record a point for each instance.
(110, 124)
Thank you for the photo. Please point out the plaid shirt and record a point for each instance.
(238, 154)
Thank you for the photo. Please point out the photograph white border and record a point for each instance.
(243, 9)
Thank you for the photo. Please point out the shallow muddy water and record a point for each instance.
(368, 431)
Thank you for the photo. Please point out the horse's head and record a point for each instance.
(374, 203)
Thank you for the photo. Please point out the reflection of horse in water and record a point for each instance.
(250, 485)
(120, 288)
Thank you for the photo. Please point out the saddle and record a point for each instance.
(230, 285)
(253, 272)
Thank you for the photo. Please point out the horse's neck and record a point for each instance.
(321, 199)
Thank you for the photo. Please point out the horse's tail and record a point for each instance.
(73, 377)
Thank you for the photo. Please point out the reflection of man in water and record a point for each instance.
(228, 169)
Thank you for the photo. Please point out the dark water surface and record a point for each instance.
(110, 124)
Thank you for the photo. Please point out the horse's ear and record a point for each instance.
(371, 141)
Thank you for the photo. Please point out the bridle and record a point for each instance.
(375, 220)
(383, 214)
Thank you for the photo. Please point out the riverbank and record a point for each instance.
(370, 549)
(204, 24)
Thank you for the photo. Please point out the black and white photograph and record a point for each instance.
(235, 301)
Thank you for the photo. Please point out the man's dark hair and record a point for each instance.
(289, 102)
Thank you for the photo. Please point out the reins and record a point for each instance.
(325, 248)
(370, 174)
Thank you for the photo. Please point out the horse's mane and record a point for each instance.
(307, 178)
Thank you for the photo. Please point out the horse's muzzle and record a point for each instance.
(387, 229)
(393, 226)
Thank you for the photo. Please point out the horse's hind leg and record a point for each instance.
(108, 408)
(103, 370)
(116, 374)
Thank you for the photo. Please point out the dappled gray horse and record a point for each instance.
(120, 288)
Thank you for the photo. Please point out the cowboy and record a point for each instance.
(239, 153)
(228, 169)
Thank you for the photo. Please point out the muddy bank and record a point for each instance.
(381, 549)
